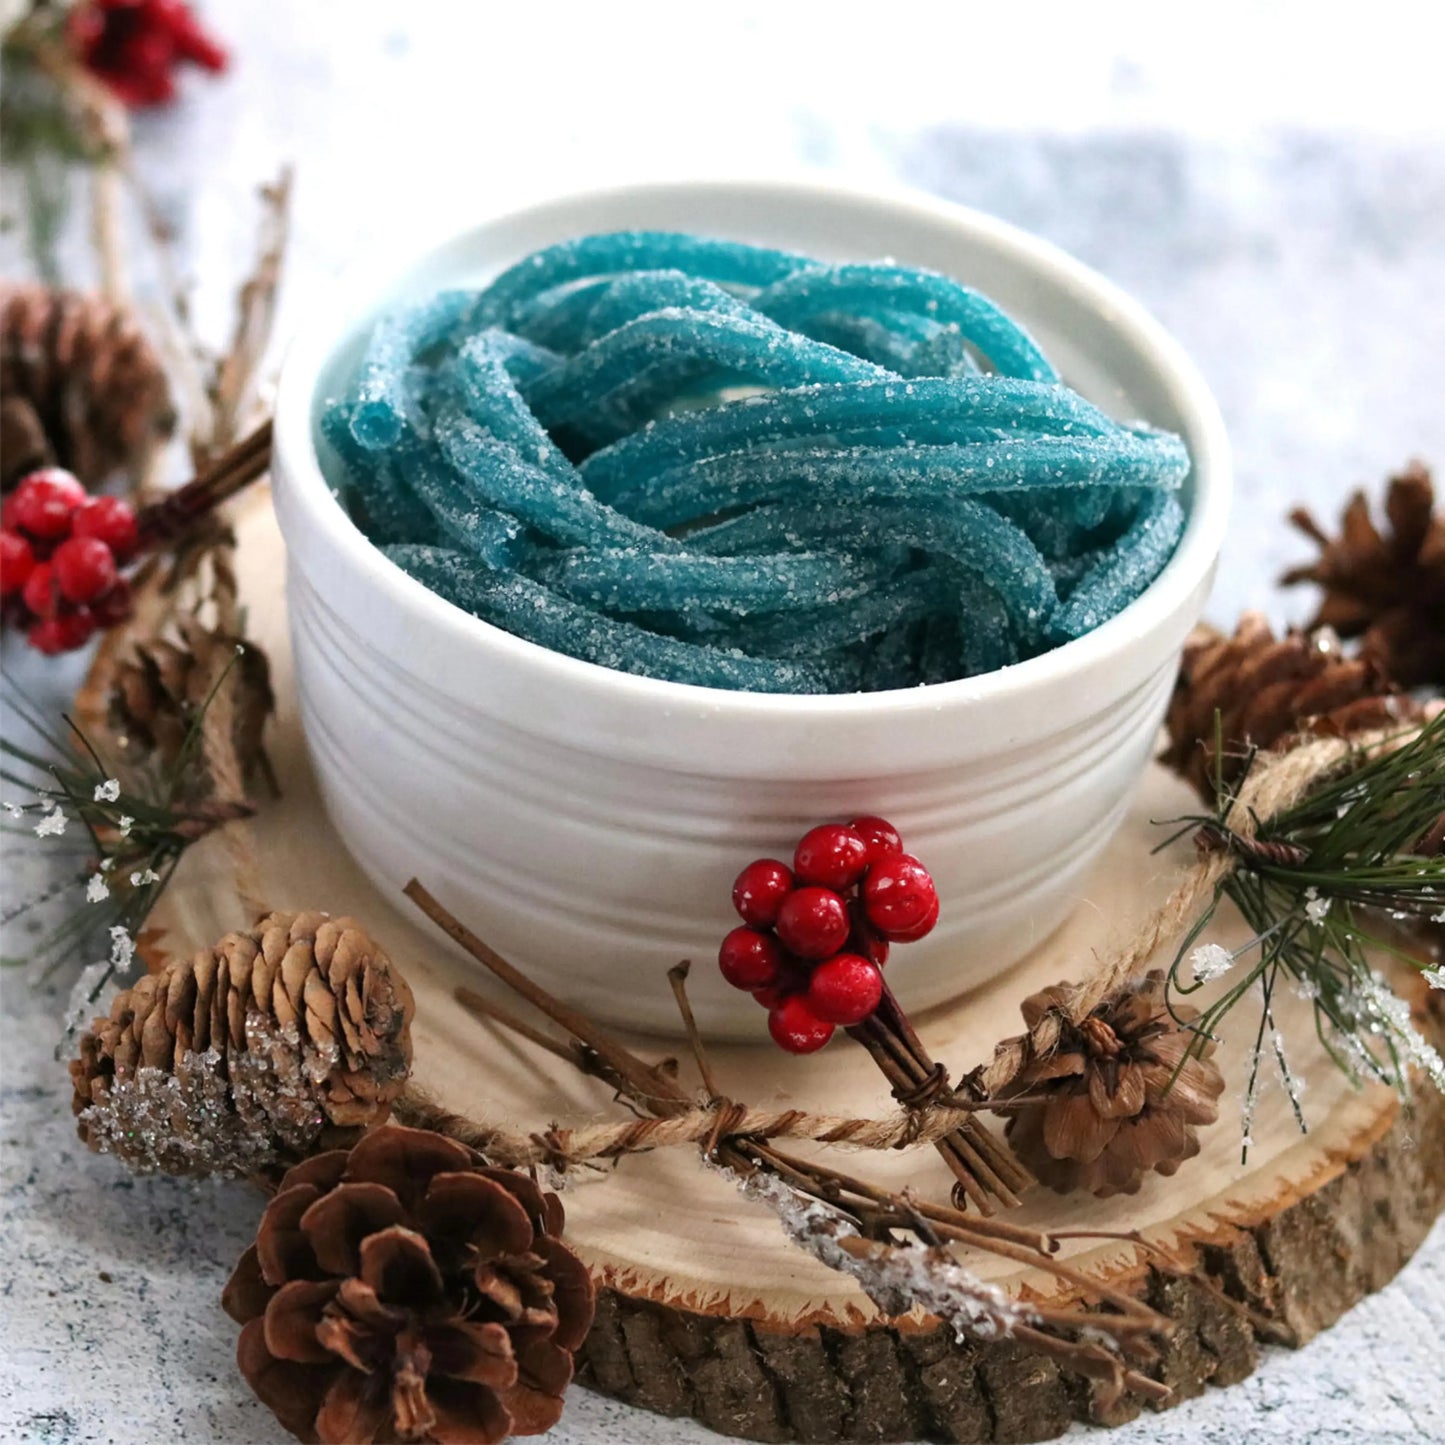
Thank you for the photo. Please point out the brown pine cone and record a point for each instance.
(1385, 587)
(293, 1037)
(82, 385)
(161, 689)
(1112, 1113)
(1267, 689)
(405, 1291)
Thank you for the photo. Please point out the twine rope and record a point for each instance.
(709, 1123)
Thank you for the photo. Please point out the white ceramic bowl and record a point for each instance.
(589, 823)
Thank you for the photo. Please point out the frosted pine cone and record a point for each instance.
(251, 1055)
(1119, 1103)
(405, 1291)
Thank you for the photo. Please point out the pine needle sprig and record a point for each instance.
(1323, 885)
(125, 832)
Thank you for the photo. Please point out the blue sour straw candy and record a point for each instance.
(741, 468)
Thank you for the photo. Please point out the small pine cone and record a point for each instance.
(1387, 588)
(1115, 1108)
(93, 386)
(293, 1037)
(160, 691)
(406, 1291)
(1267, 689)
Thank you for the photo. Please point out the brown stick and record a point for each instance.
(984, 1226)
(484, 1008)
(648, 1086)
(1170, 1263)
(677, 977)
(234, 386)
(172, 516)
(908, 1069)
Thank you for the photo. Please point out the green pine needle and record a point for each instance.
(1321, 908)
(130, 836)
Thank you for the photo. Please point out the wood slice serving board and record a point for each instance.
(705, 1310)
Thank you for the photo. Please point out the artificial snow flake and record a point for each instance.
(95, 889)
(1435, 977)
(1210, 961)
(1383, 1013)
(124, 824)
(122, 948)
(90, 996)
(108, 791)
(1316, 908)
(52, 825)
(1294, 1086)
(144, 876)
(13, 810)
(897, 1278)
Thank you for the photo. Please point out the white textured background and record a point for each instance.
(1269, 178)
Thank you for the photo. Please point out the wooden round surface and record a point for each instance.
(705, 1309)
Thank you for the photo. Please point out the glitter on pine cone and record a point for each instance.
(1121, 1101)
(1267, 690)
(83, 387)
(406, 1291)
(161, 689)
(1386, 587)
(274, 1043)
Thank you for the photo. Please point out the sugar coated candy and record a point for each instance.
(737, 467)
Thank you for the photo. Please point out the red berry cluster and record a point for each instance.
(61, 551)
(817, 933)
(134, 46)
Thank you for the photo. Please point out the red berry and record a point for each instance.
(921, 929)
(760, 890)
(864, 938)
(844, 990)
(112, 520)
(114, 607)
(191, 41)
(17, 562)
(831, 855)
(63, 633)
(898, 895)
(148, 54)
(749, 959)
(84, 568)
(882, 838)
(39, 590)
(44, 501)
(813, 922)
(792, 977)
(796, 1028)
